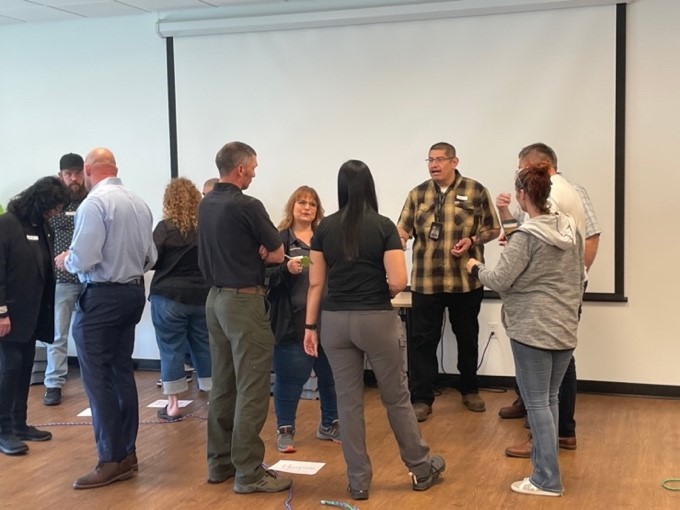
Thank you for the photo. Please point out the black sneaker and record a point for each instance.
(52, 397)
(437, 467)
(32, 434)
(12, 445)
(357, 494)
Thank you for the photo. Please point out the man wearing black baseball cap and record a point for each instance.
(68, 287)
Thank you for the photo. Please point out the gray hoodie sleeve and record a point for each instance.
(513, 261)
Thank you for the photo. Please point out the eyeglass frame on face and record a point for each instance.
(438, 160)
(305, 203)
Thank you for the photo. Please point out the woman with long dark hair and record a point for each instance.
(357, 253)
(288, 284)
(26, 302)
(178, 292)
(540, 278)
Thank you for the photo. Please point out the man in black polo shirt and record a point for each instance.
(235, 240)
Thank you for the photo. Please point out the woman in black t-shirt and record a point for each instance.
(177, 294)
(357, 253)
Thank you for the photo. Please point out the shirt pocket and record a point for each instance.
(466, 217)
(424, 216)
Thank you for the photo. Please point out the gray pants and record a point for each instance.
(241, 347)
(346, 336)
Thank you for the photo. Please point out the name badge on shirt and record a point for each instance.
(32, 238)
(70, 213)
(461, 198)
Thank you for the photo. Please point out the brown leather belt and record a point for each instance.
(253, 291)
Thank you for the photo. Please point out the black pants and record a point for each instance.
(104, 332)
(16, 363)
(427, 318)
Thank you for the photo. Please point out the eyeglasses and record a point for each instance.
(438, 160)
(305, 203)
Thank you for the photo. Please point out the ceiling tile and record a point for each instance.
(100, 8)
(163, 5)
(38, 14)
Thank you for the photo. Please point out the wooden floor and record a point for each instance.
(627, 447)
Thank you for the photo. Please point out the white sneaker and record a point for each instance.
(526, 487)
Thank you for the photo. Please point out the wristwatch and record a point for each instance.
(311, 327)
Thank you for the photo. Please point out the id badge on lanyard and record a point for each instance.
(437, 224)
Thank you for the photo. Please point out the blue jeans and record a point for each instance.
(65, 297)
(539, 375)
(293, 367)
(178, 326)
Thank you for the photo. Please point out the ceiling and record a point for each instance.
(31, 11)
(13, 12)
(35, 11)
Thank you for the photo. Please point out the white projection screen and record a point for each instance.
(307, 100)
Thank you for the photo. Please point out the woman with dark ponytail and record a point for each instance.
(357, 253)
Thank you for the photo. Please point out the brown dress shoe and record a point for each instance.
(131, 461)
(520, 451)
(422, 410)
(104, 474)
(513, 411)
(568, 443)
(474, 402)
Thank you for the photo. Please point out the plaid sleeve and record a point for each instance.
(407, 216)
(592, 225)
(489, 216)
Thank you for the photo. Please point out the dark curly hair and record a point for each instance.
(31, 204)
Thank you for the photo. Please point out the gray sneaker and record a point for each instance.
(270, 482)
(437, 467)
(330, 433)
(285, 437)
(52, 397)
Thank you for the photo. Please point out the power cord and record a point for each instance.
(488, 341)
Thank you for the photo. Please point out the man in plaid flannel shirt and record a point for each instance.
(450, 218)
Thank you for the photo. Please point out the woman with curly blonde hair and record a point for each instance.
(178, 293)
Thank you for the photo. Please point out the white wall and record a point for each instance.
(46, 109)
(637, 342)
(72, 86)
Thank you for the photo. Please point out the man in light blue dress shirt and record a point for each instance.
(112, 247)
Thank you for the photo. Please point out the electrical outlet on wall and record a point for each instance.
(493, 328)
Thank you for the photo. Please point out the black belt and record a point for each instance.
(136, 282)
(253, 291)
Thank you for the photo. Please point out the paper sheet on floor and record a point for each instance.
(298, 467)
(163, 402)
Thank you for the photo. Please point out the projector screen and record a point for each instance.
(307, 100)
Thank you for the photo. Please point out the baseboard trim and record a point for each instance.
(584, 386)
(498, 382)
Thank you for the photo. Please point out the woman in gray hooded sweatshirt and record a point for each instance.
(540, 278)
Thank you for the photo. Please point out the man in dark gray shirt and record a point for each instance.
(235, 240)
